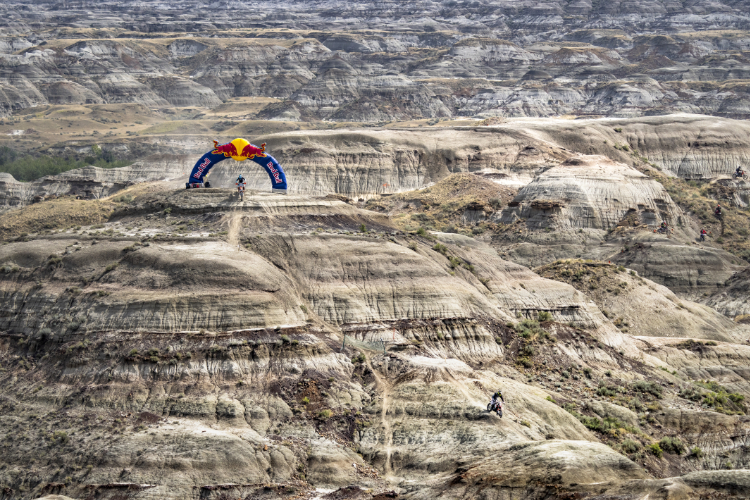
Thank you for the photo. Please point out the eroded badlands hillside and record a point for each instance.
(192, 346)
(359, 62)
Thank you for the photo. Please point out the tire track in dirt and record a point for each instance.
(385, 423)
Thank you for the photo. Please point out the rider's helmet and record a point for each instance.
(240, 178)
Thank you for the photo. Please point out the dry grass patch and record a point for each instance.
(55, 214)
(441, 207)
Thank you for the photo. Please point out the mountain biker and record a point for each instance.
(703, 234)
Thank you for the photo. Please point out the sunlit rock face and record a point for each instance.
(590, 193)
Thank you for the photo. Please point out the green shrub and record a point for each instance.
(305, 400)
(603, 390)
(439, 247)
(285, 339)
(656, 450)
(629, 446)
(526, 423)
(544, 316)
(696, 452)
(359, 358)
(647, 388)
(672, 445)
(59, 437)
(362, 228)
(716, 397)
(111, 267)
(525, 362)
(421, 232)
(325, 414)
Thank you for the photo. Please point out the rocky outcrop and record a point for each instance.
(639, 306)
(733, 299)
(89, 182)
(591, 192)
(685, 269)
(691, 147)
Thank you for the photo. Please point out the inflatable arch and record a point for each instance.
(239, 150)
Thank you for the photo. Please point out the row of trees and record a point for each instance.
(28, 167)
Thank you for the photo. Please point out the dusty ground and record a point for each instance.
(191, 346)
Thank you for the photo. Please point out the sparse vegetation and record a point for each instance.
(544, 316)
(25, 167)
(714, 395)
(629, 446)
(325, 414)
(646, 387)
(606, 425)
(59, 437)
(672, 445)
(655, 450)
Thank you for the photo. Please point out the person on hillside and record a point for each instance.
(496, 396)
(739, 171)
(704, 233)
(241, 184)
(717, 211)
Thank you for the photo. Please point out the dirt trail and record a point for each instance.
(385, 388)
(235, 223)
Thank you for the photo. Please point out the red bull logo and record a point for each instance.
(232, 150)
(229, 149)
(251, 151)
(203, 166)
(274, 172)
